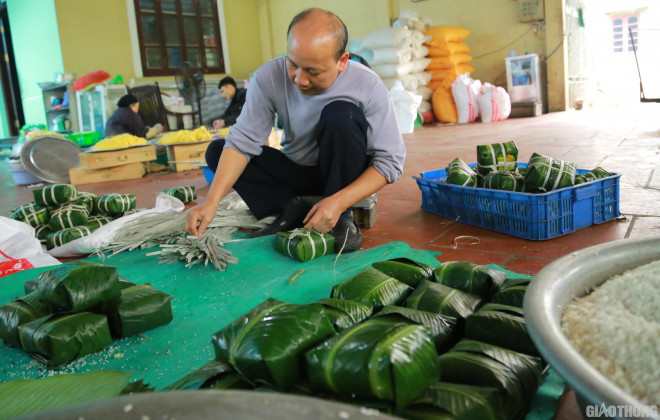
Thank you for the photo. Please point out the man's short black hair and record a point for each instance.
(127, 100)
(339, 31)
(227, 81)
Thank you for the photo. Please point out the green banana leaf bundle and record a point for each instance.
(460, 173)
(504, 180)
(471, 278)
(481, 370)
(32, 214)
(18, 312)
(68, 216)
(511, 296)
(64, 236)
(22, 397)
(213, 375)
(78, 286)
(526, 368)
(546, 174)
(303, 244)
(95, 222)
(441, 299)
(380, 358)
(267, 345)
(185, 193)
(592, 175)
(444, 400)
(139, 308)
(42, 232)
(405, 270)
(500, 326)
(343, 313)
(496, 157)
(55, 195)
(31, 286)
(373, 288)
(114, 204)
(125, 284)
(85, 201)
(443, 328)
(56, 340)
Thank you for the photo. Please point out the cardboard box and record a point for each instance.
(182, 156)
(80, 175)
(109, 159)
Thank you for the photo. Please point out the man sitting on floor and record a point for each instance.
(341, 138)
(237, 97)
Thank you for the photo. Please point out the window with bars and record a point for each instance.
(173, 31)
(622, 28)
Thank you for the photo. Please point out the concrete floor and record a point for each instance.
(622, 140)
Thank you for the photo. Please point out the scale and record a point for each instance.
(523, 79)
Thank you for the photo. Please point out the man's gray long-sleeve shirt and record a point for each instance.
(271, 91)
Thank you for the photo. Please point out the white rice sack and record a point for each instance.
(419, 52)
(410, 19)
(387, 38)
(420, 65)
(353, 45)
(388, 56)
(494, 103)
(405, 106)
(423, 78)
(425, 106)
(425, 92)
(386, 71)
(466, 96)
(417, 38)
(409, 82)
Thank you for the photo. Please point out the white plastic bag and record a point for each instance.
(418, 66)
(494, 103)
(388, 71)
(425, 106)
(387, 38)
(420, 52)
(20, 249)
(425, 92)
(411, 82)
(405, 106)
(387, 55)
(104, 235)
(466, 91)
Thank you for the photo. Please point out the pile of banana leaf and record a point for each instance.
(76, 309)
(413, 340)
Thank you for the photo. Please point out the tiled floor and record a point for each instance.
(622, 140)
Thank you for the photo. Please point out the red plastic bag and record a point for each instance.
(90, 79)
(12, 266)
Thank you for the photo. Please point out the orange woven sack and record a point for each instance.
(445, 33)
(441, 74)
(438, 63)
(444, 107)
(448, 49)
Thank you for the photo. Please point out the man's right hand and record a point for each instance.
(199, 218)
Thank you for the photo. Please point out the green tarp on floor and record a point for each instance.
(204, 301)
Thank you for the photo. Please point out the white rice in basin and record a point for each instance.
(617, 329)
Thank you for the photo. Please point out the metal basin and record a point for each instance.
(557, 285)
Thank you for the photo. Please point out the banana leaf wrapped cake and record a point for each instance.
(373, 288)
(504, 180)
(31, 286)
(502, 326)
(185, 193)
(19, 312)
(380, 358)
(42, 232)
(545, 174)
(592, 175)
(512, 292)
(97, 221)
(460, 173)
(114, 204)
(445, 400)
(303, 244)
(441, 299)
(139, 308)
(405, 270)
(443, 328)
(55, 195)
(68, 216)
(86, 200)
(32, 214)
(56, 340)
(213, 375)
(64, 236)
(78, 286)
(471, 278)
(343, 313)
(496, 157)
(267, 345)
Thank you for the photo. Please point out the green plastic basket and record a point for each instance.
(85, 139)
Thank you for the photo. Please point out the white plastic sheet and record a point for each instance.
(19, 248)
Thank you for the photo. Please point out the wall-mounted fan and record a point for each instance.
(191, 85)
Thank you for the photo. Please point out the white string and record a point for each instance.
(334, 266)
(456, 239)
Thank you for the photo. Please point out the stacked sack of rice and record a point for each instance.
(449, 58)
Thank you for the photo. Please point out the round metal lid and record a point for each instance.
(202, 405)
(50, 158)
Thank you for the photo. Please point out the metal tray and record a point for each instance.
(50, 158)
(557, 285)
(224, 405)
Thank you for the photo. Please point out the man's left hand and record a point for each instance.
(324, 215)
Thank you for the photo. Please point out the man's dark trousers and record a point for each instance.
(271, 179)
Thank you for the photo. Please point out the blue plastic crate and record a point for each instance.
(530, 216)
